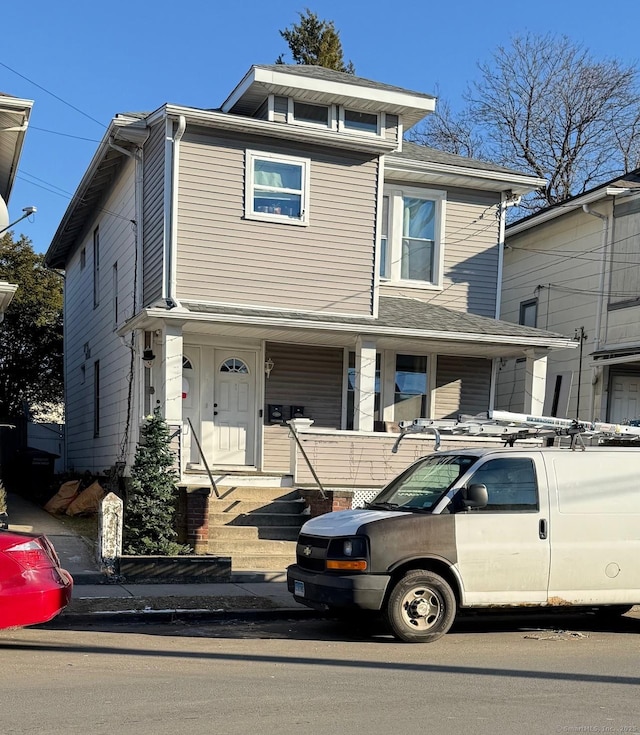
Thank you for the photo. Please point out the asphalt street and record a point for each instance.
(492, 674)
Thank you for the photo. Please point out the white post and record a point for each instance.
(172, 374)
(365, 387)
(110, 514)
(535, 383)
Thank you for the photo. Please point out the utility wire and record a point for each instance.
(55, 96)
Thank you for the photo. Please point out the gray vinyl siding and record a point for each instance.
(277, 449)
(470, 255)
(306, 376)
(153, 213)
(94, 327)
(326, 266)
(462, 386)
(280, 109)
(391, 123)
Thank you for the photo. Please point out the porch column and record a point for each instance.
(365, 384)
(535, 382)
(171, 393)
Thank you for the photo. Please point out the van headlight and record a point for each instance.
(348, 554)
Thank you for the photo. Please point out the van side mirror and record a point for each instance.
(475, 496)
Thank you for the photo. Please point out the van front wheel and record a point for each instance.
(421, 607)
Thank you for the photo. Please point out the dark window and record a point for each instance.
(96, 398)
(315, 114)
(115, 295)
(511, 484)
(83, 258)
(529, 313)
(360, 121)
(96, 268)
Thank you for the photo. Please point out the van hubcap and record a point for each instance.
(421, 608)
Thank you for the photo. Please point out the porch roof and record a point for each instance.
(401, 322)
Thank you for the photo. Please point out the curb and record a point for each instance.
(178, 614)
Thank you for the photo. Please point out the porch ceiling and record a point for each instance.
(402, 325)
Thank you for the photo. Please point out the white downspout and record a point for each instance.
(172, 158)
(603, 262)
(506, 200)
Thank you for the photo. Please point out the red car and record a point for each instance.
(33, 587)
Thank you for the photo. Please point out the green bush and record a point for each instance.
(150, 507)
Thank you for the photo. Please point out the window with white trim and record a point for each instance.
(412, 233)
(357, 121)
(277, 188)
(305, 113)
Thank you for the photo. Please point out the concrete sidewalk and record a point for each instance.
(248, 594)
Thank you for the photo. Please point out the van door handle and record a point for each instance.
(542, 528)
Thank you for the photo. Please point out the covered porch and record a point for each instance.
(229, 379)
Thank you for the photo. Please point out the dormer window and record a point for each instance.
(356, 121)
(308, 114)
(277, 188)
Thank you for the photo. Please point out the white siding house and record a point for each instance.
(574, 268)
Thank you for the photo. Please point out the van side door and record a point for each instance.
(503, 549)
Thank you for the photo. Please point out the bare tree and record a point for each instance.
(546, 106)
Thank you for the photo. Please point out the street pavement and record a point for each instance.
(248, 594)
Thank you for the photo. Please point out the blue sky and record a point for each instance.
(105, 58)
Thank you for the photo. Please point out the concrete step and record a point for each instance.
(266, 494)
(263, 546)
(195, 476)
(229, 505)
(256, 519)
(253, 533)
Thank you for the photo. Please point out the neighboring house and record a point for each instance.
(284, 255)
(14, 120)
(574, 268)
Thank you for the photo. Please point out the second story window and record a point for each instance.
(96, 268)
(529, 313)
(277, 188)
(116, 313)
(411, 237)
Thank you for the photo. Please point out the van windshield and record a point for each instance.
(420, 487)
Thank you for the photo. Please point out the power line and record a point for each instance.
(55, 96)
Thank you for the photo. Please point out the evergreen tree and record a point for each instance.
(315, 42)
(150, 509)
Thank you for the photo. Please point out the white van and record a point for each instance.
(481, 528)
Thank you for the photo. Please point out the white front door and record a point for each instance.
(234, 410)
(624, 401)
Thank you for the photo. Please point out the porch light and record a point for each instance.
(148, 357)
(268, 366)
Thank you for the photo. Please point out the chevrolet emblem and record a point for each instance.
(307, 551)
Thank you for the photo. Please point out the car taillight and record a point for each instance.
(31, 555)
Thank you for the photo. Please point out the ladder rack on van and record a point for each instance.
(512, 427)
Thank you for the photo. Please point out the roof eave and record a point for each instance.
(412, 106)
(546, 215)
(518, 184)
(544, 341)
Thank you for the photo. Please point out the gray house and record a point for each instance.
(285, 256)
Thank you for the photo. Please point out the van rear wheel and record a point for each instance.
(421, 607)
